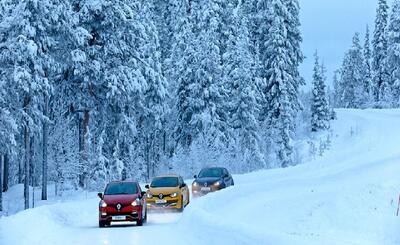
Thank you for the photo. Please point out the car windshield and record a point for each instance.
(120, 189)
(164, 182)
(210, 172)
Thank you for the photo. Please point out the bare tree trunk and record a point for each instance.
(1, 181)
(21, 166)
(26, 167)
(27, 155)
(6, 172)
(44, 148)
(32, 162)
(148, 156)
(84, 148)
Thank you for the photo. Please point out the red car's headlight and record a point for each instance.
(136, 202)
(103, 204)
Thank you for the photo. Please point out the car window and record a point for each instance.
(210, 172)
(226, 172)
(164, 182)
(120, 189)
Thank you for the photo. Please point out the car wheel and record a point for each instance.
(182, 206)
(188, 201)
(139, 222)
(102, 224)
(145, 216)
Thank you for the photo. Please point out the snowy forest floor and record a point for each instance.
(348, 196)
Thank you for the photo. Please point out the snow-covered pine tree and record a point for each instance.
(239, 80)
(294, 41)
(183, 69)
(320, 112)
(368, 93)
(29, 35)
(277, 73)
(394, 52)
(379, 62)
(200, 96)
(337, 89)
(352, 76)
(155, 93)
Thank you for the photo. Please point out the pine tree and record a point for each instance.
(379, 62)
(368, 93)
(200, 94)
(337, 89)
(294, 40)
(394, 52)
(240, 83)
(352, 76)
(320, 112)
(280, 105)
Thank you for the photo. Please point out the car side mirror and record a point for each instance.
(195, 176)
(143, 193)
(147, 186)
(183, 185)
(226, 175)
(100, 195)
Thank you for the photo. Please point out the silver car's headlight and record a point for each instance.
(218, 183)
(195, 184)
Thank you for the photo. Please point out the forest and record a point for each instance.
(93, 91)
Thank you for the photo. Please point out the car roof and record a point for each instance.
(123, 181)
(168, 175)
(213, 168)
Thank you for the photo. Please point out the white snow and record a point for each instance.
(348, 196)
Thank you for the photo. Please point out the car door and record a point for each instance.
(227, 178)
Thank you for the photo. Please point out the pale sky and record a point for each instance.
(328, 26)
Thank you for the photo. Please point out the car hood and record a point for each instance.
(208, 180)
(122, 199)
(163, 190)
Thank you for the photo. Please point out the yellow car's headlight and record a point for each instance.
(175, 194)
(149, 195)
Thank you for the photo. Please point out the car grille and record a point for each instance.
(163, 196)
(162, 204)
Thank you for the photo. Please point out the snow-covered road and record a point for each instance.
(348, 196)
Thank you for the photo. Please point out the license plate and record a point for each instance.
(161, 201)
(206, 188)
(120, 217)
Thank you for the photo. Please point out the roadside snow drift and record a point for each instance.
(348, 196)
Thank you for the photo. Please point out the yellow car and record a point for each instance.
(167, 192)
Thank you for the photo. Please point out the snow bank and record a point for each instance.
(348, 196)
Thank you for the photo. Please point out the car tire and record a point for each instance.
(102, 224)
(139, 222)
(145, 216)
(143, 220)
(180, 210)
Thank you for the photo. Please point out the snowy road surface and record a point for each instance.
(348, 196)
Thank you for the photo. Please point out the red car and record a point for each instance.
(122, 201)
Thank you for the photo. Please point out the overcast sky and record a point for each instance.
(328, 26)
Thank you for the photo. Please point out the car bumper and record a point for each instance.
(198, 191)
(110, 215)
(172, 203)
